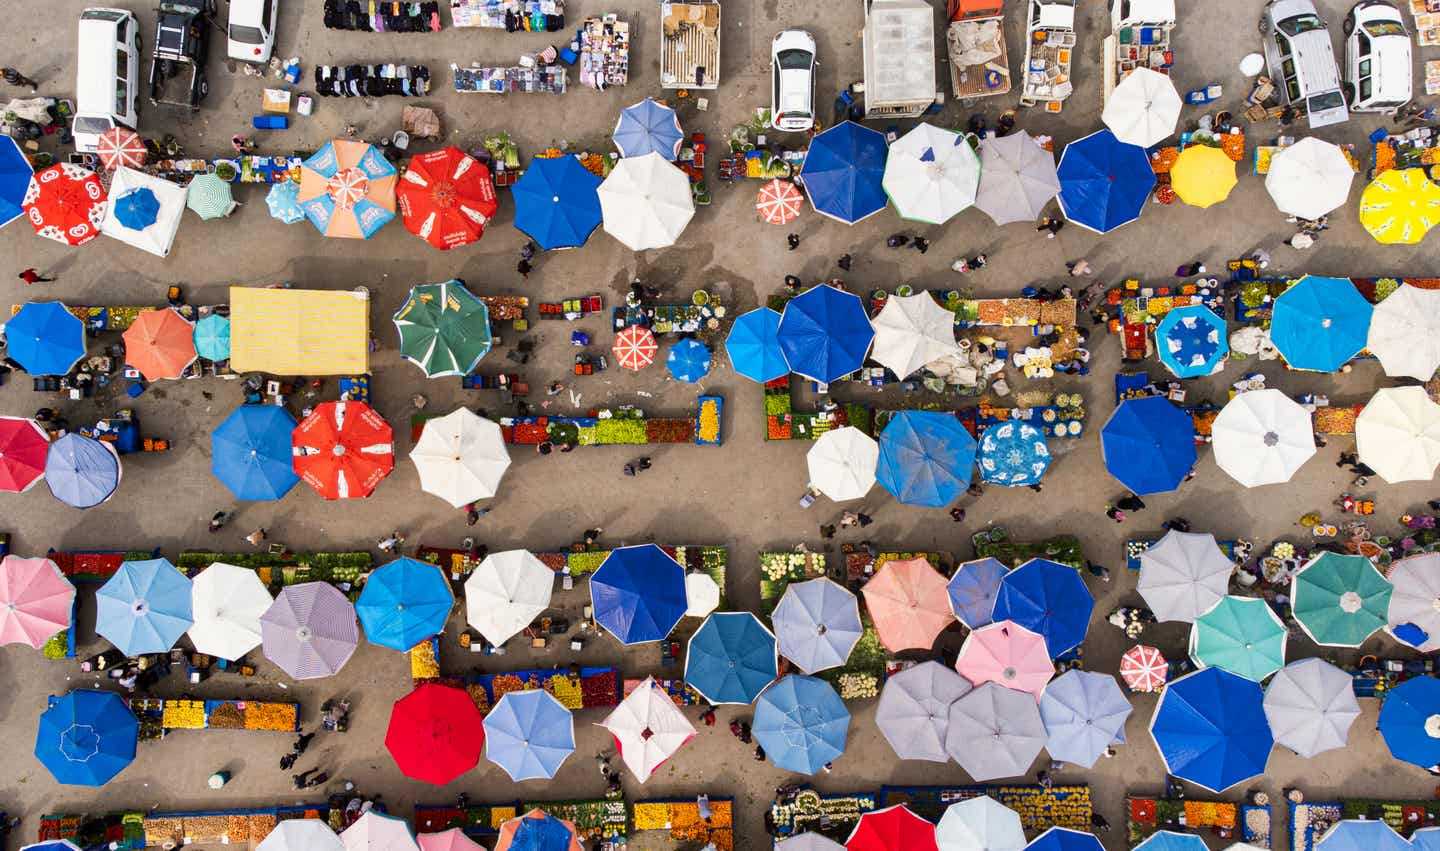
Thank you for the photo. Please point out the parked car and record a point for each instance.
(252, 30)
(792, 86)
(107, 71)
(1302, 60)
(1378, 70)
(177, 65)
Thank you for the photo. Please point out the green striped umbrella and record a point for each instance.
(444, 329)
(1340, 600)
(1241, 635)
(210, 197)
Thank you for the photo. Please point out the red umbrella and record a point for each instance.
(892, 829)
(635, 347)
(119, 146)
(435, 733)
(66, 203)
(1143, 668)
(779, 202)
(446, 197)
(23, 447)
(343, 449)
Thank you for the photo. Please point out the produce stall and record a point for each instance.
(1139, 38)
(1136, 547)
(599, 688)
(678, 690)
(1039, 808)
(1135, 309)
(1049, 47)
(1427, 22)
(1309, 821)
(1230, 822)
(160, 716)
(995, 542)
(278, 570)
(809, 810)
(626, 426)
(703, 313)
(95, 566)
(1415, 148)
(1265, 153)
(681, 818)
(595, 819)
(132, 830)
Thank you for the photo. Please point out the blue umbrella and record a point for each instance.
(1320, 323)
(688, 361)
(45, 338)
(1104, 182)
(283, 199)
(1211, 730)
(15, 174)
(1424, 839)
(144, 607)
(540, 831)
(51, 845)
(1149, 444)
(843, 172)
(1169, 840)
(403, 603)
(556, 202)
(86, 737)
(1191, 341)
(1049, 598)
(925, 458)
(753, 346)
(1014, 454)
(250, 452)
(973, 589)
(212, 337)
(731, 658)
(1363, 835)
(1410, 721)
(648, 127)
(817, 624)
(638, 593)
(137, 209)
(1084, 713)
(824, 333)
(529, 734)
(801, 723)
(1065, 839)
(80, 471)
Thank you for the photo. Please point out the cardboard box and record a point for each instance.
(275, 101)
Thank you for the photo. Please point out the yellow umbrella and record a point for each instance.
(1202, 176)
(1400, 206)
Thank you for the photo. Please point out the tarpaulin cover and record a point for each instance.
(299, 332)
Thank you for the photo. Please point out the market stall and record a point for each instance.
(299, 332)
(620, 427)
(597, 688)
(596, 818)
(1246, 823)
(160, 716)
(684, 822)
(604, 52)
(515, 16)
(275, 569)
(133, 830)
(512, 79)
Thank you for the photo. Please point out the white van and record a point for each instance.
(1378, 68)
(107, 72)
(1302, 60)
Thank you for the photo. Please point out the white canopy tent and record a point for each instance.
(159, 235)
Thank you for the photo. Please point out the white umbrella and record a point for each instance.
(931, 174)
(1017, 178)
(1310, 705)
(911, 331)
(1405, 333)
(301, 834)
(842, 463)
(1309, 178)
(1398, 434)
(702, 595)
(460, 457)
(155, 232)
(646, 202)
(376, 831)
(1143, 109)
(808, 842)
(1262, 437)
(506, 592)
(979, 824)
(995, 732)
(914, 710)
(226, 602)
(1415, 602)
(1183, 574)
(648, 729)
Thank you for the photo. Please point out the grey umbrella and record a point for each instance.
(995, 732)
(1017, 178)
(310, 630)
(1310, 705)
(914, 710)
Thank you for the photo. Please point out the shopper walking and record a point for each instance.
(32, 277)
(15, 78)
(792, 240)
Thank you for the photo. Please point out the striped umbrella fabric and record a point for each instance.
(779, 202)
(1143, 668)
(210, 197)
(635, 347)
(310, 630)
(120, 146)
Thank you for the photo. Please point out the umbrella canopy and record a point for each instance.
(1262, 437)
(1211, 730)
(931, 174)
(824, 333)
(86, 737)
(1361, 835)
(250, 452)
(1183, 575)
(45, 338)
(1084, 713)
(1202, 176)
(907, 600)
(638, 593)
(1340, 600)
(979, 824)
(1149, 444)
(1049, 598)
(403, 603)
(347, 189)
(15, 174)
(1144, 669)
(731, 658)
(754, 347)
(144, 211)
(283, 202)
(227, 603)
(376, 831)
(973, 589)
(36, 600)
(310, 630)
(926, 458)
(1191, 341)
(1008, 654)
(1410, 721)
(688, 360)
(779, 202)
(1414, 615)
(646, 202)
(303, 834)
(803, 842)
(460, 457)
(556, 202)
(1104, 182)
(1242, 635)
(144, 607)
(1017, 178)
(23, 447)
(801, 723)
(1424, 839)
(444, 329)
(446, 197)
(1143, 109)
(1405, 333)
(160, 343)
(120, 146)
(65, 203)
(210, 197)
(1169, 840)
(995, 732)
(212, 337)
(1400, 206)
(702, 595)
(1310, 705)
(506, 592)
(1013, 454)
(817, 624)
(844, 171)
(137, 209)
(1398, 434)
(842, 463)
(1320, 323)
(453, 839)
(648, 127)
(648, 729)
(1309, 178)
(80, 471)
(1065, 839)
(537, 830)
(911, 331)
(635, 347)
(914, 710)
(529, 734)
(343, 450)
(891, 829)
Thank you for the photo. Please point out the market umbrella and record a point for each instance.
(15, 173)
(926, 458)
(212, 337)
(36, 600)
(911, 331)
(65, 203)
(648, 127)
(453, 839)
(403, 603)
(1424, 839)
(1143, 109)
(1310, 705)
(1144, 669)
(635, 347)
(817, 624)
(646, 202)
(754, 347)
(86, 737)
(1340, 600)
(137, 209)
(979, 824)
(1149, 444)
(1183, 574)
(702, 595)
(347, 189)
(1104, 182)
(461, 457)
(81, 472)
(250, 452)
(556, 202)
(806, 842)
(1398, 434)
(801, 723)
(648, 728)
(1202, 176)
(537, 830)
(731, 658)
(344, 449)
(377, 831)
(1084, 713)
(227, 603)
(45, 338)
(1065, 839)
(1013, 454)
(144, 211)
(1414, 614)
(1262, 437)
(1405, 333)
(843, 172)
(1361, 835)
(210, 197)
(824, 333)
(529, 734)
(23, 448)
(1410, 721)
(842, 462)
(907, 600)
(931, 174)
(973, 589)
(1006, 653)
(310, 630)
(1400, 206)
(1242, 635)
(144, 607)
(446, 197)
(914, 710)
(283, 202)
(1017, 178)
(505, 592)
(995, 732)
(444, 329)
(1211, 729)
(688, 360)
(1169, 840)
(160, 344)
(638, 593)
(120, 146)
(779, 202)
(1049, 598)
(1309, 178)
(302, 834)
(891, 829)
(1191, 341)
(1320, 323)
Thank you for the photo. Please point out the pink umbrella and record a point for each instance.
(35, 601)
(1006, 653)
(1143, 668)
(453, 839)
(909, 604)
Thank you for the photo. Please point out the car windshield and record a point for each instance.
(246, 35)
(1301, 24)
(94, 124)
(1327, 101)
(1379, 28)
(793, 59)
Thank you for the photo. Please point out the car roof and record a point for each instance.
(1393, 65)
(245, 11)
(1315, 62)
(1279, 10)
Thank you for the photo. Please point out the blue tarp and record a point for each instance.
(556, 202)
(688, 361)
(1149, 445)
(1191, 341)
(137, 209)
(1211, 730)
(250, 452)
(824, 333)
(648, 127)
(731, 658)
(15, 174)
(403, 603)
(754, 347)
(638, 593)
(1049, 598)
(1407, 709)
(45, 338)
(1084, 713)
(144, 607)
(973, 589)
(1320, 323)
(925, 458)
(86, 737)
(801, 723)
(529, 734)
(843, 171)
(1104, 182)
(1013, 454)
(80, 471)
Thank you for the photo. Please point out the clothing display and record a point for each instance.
(353, 81)
(604, 52)
(376, 16)
(499, 81)
(509, 15)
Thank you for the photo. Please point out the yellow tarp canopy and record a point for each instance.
(299, 332)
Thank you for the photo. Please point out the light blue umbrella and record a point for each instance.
(1084, 713)
(925, 458)
(1361, 835)
(1424, 839)
(137, 209)
(1211, 730)
(754, 348)
(973, 589)
(801, 723)
(817, 624)
(81, 471)
(1149, 445)
(403, 603)
(825, 333)
(212, 337)
(1049, 598)
(529, 734)
(914, 710)
(731, 658)
(1243, 635)
(144, 607)
(1191, 341)
(1013, 454)
(1320, 323)
(688, 361)
(15, 174)
(45, 338)
(647, 127)
(283, 199)
(250, 452)
(1169, 840)
(86, 737)
(1408, 721)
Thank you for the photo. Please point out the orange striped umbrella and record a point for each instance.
(779, 202)
(160, 343)
(635, 347)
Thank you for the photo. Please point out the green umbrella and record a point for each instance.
(1241, 635)
(444, 329)
(210, 197)
(1340, 600)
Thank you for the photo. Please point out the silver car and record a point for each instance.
(1302, 60)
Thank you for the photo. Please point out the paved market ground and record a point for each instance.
(742, 495)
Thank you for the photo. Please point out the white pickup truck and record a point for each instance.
(1139, 38)
(1049, 48)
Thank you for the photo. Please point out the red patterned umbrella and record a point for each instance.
(779, 202)
(65, 203)
(23, 447)
(119, 146)
(1143, 668)
(343, 449)
(635, 347)
(446, 198)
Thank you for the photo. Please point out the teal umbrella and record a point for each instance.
(210, 197)
(212, 338)
(1242, 635)
(444, 329)
(1340, 600)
